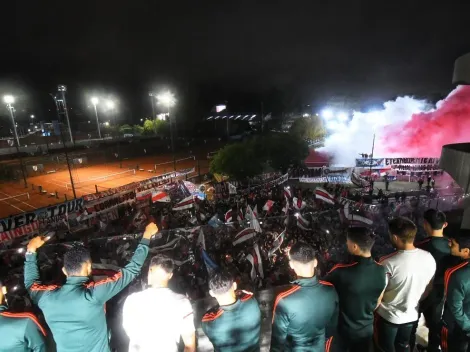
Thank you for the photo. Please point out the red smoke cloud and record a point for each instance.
(426, 133)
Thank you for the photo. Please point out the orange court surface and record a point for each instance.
(87, 180)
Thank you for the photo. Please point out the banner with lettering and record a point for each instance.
(44, 216)
(104, 205)
(371, 162)
(31, 229)
(412, 161)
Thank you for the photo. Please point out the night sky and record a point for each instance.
(300, 52)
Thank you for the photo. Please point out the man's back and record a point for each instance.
(359, 285)
(409, 272)
(75, 312)
(440, 250)
(303, 315)
(20, 332)
(234, 327)
(155, 318)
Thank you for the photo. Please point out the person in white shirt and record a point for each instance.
(155, 318)
(410, 272)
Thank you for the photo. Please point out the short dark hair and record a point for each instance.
(435, 218)
(163, 261)
(363, 237)
(221, 282)
(74, 259)
(404, 228)
(462, 238)
(302, 252)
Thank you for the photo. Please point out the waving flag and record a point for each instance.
(160, 196)
(229, 216)
(254, 223)
(321, 193)
(201, 240)
(256, 263)
(186, 203)
(286, 207)
(298, 203)
(243, 236)
(211, 266)
(277, 243)
(354, 219)
(302, 222)
(215, 222)
(268, 206)
(287, 192)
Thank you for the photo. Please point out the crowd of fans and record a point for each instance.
(193, 256)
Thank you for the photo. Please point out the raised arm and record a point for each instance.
(31, 271)
(106, 289)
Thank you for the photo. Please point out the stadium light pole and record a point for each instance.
(95, 102)
(154, 116)
(111, 106)
(168, 99)
(9, 100)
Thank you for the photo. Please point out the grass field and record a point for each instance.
(85, 178)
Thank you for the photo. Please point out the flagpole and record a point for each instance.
(371, 160)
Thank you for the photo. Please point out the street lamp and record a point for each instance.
(95, 102)
(9, 100)
(168, 99)
(32, 116)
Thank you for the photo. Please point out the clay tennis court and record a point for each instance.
(56, 185)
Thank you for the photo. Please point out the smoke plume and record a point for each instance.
(406, 127)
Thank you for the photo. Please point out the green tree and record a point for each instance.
(239, 161)
(149, 127)
(125, 129)
(285, 150)
(155, 126)
(138, 130)
(308, 128)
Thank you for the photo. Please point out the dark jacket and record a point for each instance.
(457, 298)
(359, 286)
(20, 332)
(236, 327)
(305, 316)
(75, 312)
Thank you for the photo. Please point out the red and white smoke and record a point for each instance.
(405, 127)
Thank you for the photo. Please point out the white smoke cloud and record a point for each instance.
(346, 140)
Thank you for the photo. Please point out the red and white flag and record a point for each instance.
(286, 207)
(298, 203)
(302, 222)
(229, 216)
(186, 203)
(251, 216)
(268, 206)
(322, 194)
(256, 263)
(243, 236)
(353, 219)
(287, 192)
(201, 241)
(277, 243)
(160, 196)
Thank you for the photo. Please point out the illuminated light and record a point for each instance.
(342, 116)
(94, 101)
(106, 123)
(9, 99)
(220, 108)
(32, 116)
(110, 104)
(167, 99)
(327, 231)
(306, 115)
(297, 215)
(20, 250)
(29, 129)
(327, 114)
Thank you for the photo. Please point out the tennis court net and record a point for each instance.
(17, 197)
(171, 162)
(94, 180)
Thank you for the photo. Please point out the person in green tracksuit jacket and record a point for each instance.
(75, 312)
(19, 332)
(234, 324)
(305, 316)
(360, 286)
(455, 331)
(438, 245)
